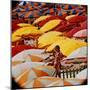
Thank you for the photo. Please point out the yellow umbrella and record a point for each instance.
(50, 25)
(67, 46)
(49, 38)
(69, 17)
(43, 82)
(30, 74)
(25, 25)
(24, 31)
(40, 19)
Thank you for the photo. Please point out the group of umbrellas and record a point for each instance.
(54, 24)
(31, 10)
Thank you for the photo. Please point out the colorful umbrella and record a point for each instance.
(33, 73)
(41, 18)
(73, 31)
(50, 25)
(31, 30)
(33, 55)
(67, 46)
(21, 67)
(81, 34)
(46, 39)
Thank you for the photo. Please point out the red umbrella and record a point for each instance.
(73, 31)
(50, 18)
(81, 34)
(77, 19)
(20, 48)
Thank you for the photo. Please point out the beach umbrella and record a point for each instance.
(81, 34)
(20, 48)
(67, 46)
(73, 31)
(43, 81)
(31, 55)
(80, 52)
(31, 30)
(50, 25)
(33, 73)
(41, 18)
(21, 67)
(46, 39)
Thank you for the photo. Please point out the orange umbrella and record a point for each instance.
(27, 75)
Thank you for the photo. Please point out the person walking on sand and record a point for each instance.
(58, 57)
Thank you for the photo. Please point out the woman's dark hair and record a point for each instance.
(57, 48)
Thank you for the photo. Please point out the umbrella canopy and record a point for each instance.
(24, 31)
(21, 67)
(43, 82)
(24, 25)
(80, 52)
(50, 25)
(67, 46)
(33, 73)
(81, 34)
(33, 55)
(46, 39)
(41, 18)
(73, 31)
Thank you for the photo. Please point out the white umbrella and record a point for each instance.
(20, 68)
(24, 54)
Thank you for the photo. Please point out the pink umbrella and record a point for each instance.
(81, 34)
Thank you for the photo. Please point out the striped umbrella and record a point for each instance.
(73, 31)
(67, 45)
(31, 55)
(21, 67)
(30, 74)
